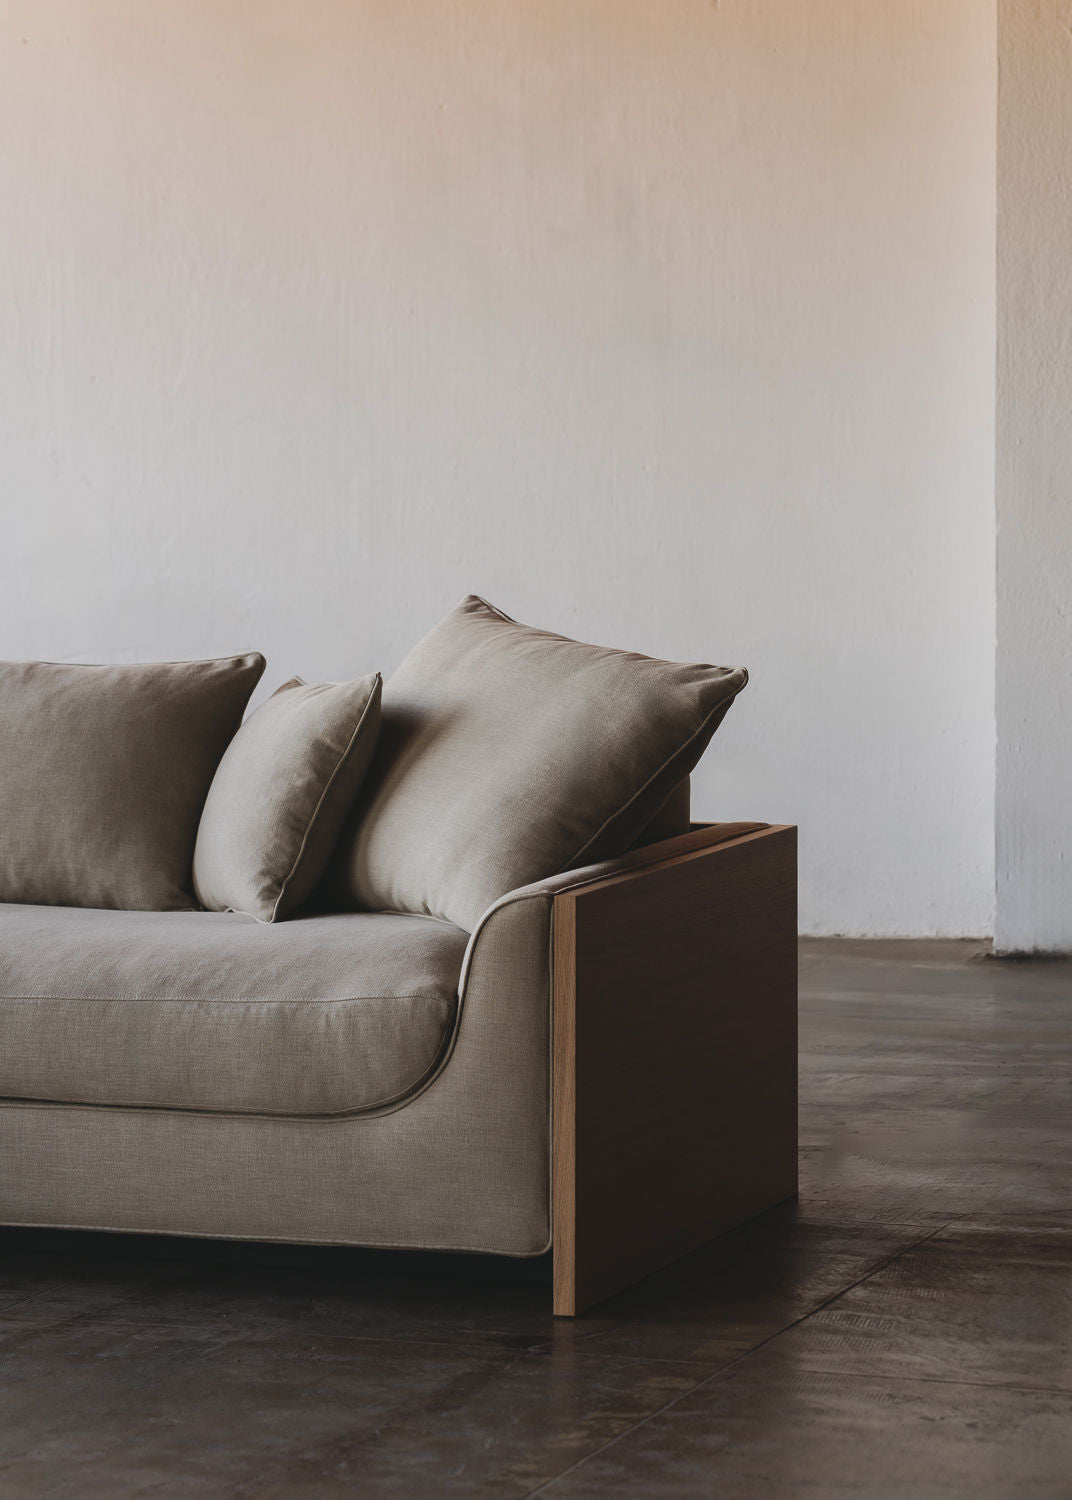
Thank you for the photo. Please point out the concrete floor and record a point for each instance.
(904, 1331)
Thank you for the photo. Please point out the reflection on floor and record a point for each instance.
(904, 1331)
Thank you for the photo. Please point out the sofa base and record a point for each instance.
(316, 1182)
(671, 1038)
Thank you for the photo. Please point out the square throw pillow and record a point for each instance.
(509, 754)
(281, 795)
(103, 775)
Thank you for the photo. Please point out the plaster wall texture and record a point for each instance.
(664, 323)
(1034, 479)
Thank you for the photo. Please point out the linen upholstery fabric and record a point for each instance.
(462, 1164)
(208, 1011)
(281, 794)
(508, 754)
(104, 771)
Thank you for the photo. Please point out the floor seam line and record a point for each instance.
(602, 1448)
(30, 1297)
(717, 1374)
(883, 1265)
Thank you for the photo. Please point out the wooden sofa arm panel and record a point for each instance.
(674, 1052)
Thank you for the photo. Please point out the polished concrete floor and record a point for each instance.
(904, 1331)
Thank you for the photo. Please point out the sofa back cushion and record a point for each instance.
(281, 794)
(508, 754)
(104, 772)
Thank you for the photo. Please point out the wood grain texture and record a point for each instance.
(674, 1053)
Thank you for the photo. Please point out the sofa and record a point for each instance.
(441, 963)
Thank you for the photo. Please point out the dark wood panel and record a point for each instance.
(674, 1056)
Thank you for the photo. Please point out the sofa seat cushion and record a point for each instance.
(322, 1015)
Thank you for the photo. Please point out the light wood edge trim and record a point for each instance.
(563, 1106)
(700, 836)
(685, 856)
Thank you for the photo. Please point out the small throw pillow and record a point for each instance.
(103, 775)
(509, 754)
(281, 795)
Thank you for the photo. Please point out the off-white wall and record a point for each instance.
(667, 323)
(1034, 478)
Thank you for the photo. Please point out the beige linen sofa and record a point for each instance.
(599, 1062)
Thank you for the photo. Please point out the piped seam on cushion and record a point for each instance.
(229, 999)
(721, 709)
(497, 611)
(386, 1105)
(184, 661)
